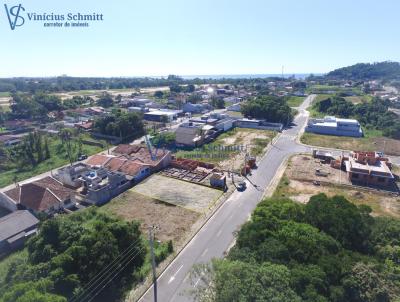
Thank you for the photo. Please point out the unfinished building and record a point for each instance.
(369, 168)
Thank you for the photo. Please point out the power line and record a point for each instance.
(110, 279)
(103, 271)
(110, 266)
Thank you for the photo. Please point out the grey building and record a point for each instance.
(15, 228)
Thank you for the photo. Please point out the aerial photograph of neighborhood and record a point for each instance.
(200, 151)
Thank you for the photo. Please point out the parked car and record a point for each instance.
(82, 157)
(241, 186)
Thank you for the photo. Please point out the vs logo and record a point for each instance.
(14, 11)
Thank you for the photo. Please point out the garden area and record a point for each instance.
(41, 153)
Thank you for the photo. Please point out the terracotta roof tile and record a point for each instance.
(132, 168)
(40, 195)
(98, 160)
(115, 163)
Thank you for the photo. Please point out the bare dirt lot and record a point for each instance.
(388, 145)
(297, 184)
(173, 221)
(177, 192)
(255, 142)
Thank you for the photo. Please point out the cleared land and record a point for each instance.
(173, 221)
(359, 99)
(373, 141)
(297, 184)
(222, 152)
(295, 101)
(177, 192)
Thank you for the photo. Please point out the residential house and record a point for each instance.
(157, 159)
(46, 195)
(189, 135)
(235, 107)
(194, 108)
(15, 229)
(101, 185)
(71, 175)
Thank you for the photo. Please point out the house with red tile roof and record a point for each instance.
(98, 160)
(44, 195)
(141, 154)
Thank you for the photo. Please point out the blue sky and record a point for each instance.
(188, 37)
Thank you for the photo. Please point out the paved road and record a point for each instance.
(217, 235)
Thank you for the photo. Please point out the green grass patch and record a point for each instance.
(259, 145)
(295, 101)
(58, 158)
(4, 94)
(359, 99)
(366, 143)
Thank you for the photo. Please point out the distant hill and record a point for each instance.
(366, 71)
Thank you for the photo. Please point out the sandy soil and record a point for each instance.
(301, 174)
(245, 138)
(173, 221)
(178, 192)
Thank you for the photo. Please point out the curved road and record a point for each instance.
(217, 235)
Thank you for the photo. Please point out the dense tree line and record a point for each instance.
(374, 114)
(39, 105)
(326, 250)
(68, 253)
(33, 150)
(271, 108)
(64, 83)
(367, 71)
(120, 124)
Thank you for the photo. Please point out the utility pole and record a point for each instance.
(153, 261)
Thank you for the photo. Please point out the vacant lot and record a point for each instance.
(371, 142)
(173, 221)
(359, 99)
(295, 101)
(222, 152)
(297, 184)
(178, 192)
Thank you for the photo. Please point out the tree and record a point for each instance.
(121, 124)
(231, 281)
(175, 88)
(68, 252)
(105, 100)
(47, 154)
(67, 141)
(158, 94)
(195, 98)
(218, 103)
(341, 219)
(190, 88)
(365, 283)
(270, 108)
